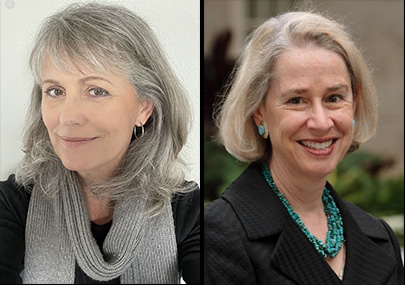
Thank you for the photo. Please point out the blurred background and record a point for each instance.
(372, 177)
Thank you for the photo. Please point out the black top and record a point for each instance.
(249, 238)
(14, 201)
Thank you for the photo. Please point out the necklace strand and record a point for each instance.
(334, 237)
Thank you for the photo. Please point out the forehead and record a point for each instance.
(52, 66)
(310, 65)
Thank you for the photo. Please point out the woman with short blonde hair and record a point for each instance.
(301, 99)
(254, 74)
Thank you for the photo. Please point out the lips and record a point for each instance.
(317, 144)
(319, 147)
(76, 141)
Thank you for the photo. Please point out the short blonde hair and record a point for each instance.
(254, 73)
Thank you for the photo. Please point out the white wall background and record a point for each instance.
(175, 22)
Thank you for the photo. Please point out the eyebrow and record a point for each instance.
(304, 90)
(81, 81)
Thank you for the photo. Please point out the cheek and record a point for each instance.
(118, 129)
(118, 125)
(286, 123)
(50, 117)
(344, 121)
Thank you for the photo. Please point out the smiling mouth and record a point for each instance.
(72, 142)
(317, 145)
(76, 139)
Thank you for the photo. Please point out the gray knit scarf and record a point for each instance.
(138, 248)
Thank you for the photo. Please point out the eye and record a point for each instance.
(334, 98)
(99, 92)
(295, 100)
(54, 92)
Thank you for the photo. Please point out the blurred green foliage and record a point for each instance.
(359, 178)
(220, 169)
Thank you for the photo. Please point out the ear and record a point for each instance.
(144, 113)
(258, 115)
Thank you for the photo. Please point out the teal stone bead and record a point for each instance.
(335, 235)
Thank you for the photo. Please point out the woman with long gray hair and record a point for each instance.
(100, 195)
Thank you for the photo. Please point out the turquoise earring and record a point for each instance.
(354, 123)
(263, 130)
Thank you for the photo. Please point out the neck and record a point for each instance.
(100, 209)
(88, 178)
(302, 192)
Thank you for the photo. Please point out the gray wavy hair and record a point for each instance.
(254, 73)
(111, 39)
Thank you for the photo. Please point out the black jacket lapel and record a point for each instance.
(366, 261)
(294, 256)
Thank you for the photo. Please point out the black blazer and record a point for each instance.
(251, 239)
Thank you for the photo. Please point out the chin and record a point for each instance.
(321, 174)
(320, 170)
(73, 164)
(71, 167)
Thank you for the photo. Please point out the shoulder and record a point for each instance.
(221, 221)
(217, 209)
(14, 198)
(379, 232)
(250, 202)
(186, 204)
(249, 178)
(219, 217)
(10, 186)
(370, 225)
(226, 247)
(375, 228)
(361, 215)
(246, 190)
(225, 212)
(186, 213)
(14, 202)
(189, 199)
(11, 190)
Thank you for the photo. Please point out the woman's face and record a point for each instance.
(309, 111)
(90, 118)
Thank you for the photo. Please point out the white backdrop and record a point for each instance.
(175, 22)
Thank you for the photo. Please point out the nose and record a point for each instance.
(72, 113)
(320, 119)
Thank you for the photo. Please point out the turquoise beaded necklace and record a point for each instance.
(334, 237)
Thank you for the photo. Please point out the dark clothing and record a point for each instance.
(250, 238)
(14, 201)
